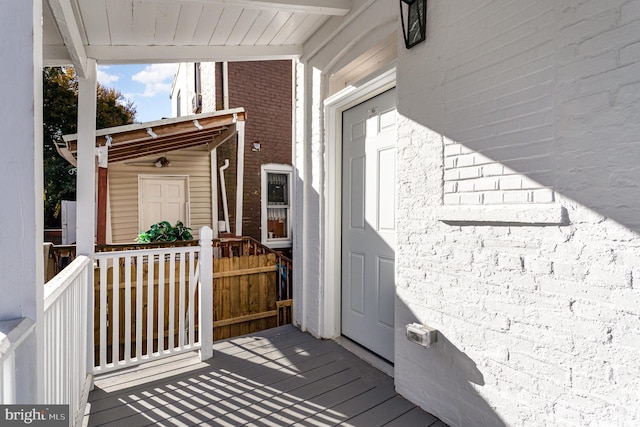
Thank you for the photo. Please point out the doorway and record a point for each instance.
(368, 232)
(163, 198)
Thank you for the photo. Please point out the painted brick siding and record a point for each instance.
(539, 325)
(264, 90)
(497, 104)
(208, 79)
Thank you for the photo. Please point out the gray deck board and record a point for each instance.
(278, 377)
(415, 417)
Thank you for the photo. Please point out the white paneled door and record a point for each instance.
(368, 223)
(163, 199)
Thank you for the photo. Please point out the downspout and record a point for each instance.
(240, 152)
(214, 162)
(223, 190)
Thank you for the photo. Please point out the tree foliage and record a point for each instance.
(60, 117)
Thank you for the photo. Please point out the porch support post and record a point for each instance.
(86, 183)
(240, 177)
(103, 172)
(21, 176)
(205, 263)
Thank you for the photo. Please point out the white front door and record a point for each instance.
(163, 199)
(368, 223)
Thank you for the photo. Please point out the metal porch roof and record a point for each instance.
(157, 137)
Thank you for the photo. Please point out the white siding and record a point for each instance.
(183, 84)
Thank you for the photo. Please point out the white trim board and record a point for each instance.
(334, 106)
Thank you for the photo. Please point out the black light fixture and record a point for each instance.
(413, 14)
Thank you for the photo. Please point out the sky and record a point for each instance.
(147, 85)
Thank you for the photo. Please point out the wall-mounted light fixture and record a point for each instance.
(162, 162)
(413, 14)
(256, 146)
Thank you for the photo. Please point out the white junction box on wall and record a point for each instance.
(421, 334)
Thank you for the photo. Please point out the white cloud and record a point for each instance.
(104, 77)
(157, 78)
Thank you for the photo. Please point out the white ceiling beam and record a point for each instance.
(321, 7)
(55, 56)
(70, 32)
(166, 54)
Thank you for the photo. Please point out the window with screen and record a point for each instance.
(276, 205)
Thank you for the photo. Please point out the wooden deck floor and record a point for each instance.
(277, 377)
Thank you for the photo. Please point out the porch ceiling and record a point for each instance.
(157, 137)
(145, 31)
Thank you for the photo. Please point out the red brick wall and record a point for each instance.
(264, 89)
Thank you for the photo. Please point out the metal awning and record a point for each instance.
(156, 137)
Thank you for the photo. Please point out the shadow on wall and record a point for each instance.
(442, 379)
(429, 375)
(549, 107)
(306, 258)
(552, 107)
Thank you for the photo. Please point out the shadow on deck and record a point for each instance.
(277, 377)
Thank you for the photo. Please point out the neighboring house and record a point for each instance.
(264, 89)
(483, 183)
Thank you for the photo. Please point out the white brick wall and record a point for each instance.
(208, 86)
(519, 102)
(497, 98)
(539, 325)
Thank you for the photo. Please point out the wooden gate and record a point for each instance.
(251, 288)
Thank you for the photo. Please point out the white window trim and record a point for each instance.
(281, 169)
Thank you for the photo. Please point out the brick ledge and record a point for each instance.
(516, 214)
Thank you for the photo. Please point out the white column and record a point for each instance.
(205, 264)
(313, 216)
(86, 182)
(239, 177)
(21, 175)
(299, 306)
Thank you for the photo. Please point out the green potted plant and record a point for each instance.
(164, 232)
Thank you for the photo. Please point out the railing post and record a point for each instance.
(206, 293)
(88, 310)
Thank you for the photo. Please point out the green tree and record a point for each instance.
(60, 112)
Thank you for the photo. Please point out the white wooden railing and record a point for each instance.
(184, 273)
(148, 301)
(13, 333)
(67, 379)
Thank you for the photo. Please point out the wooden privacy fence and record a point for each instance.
(251, 292)
(251, 288)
